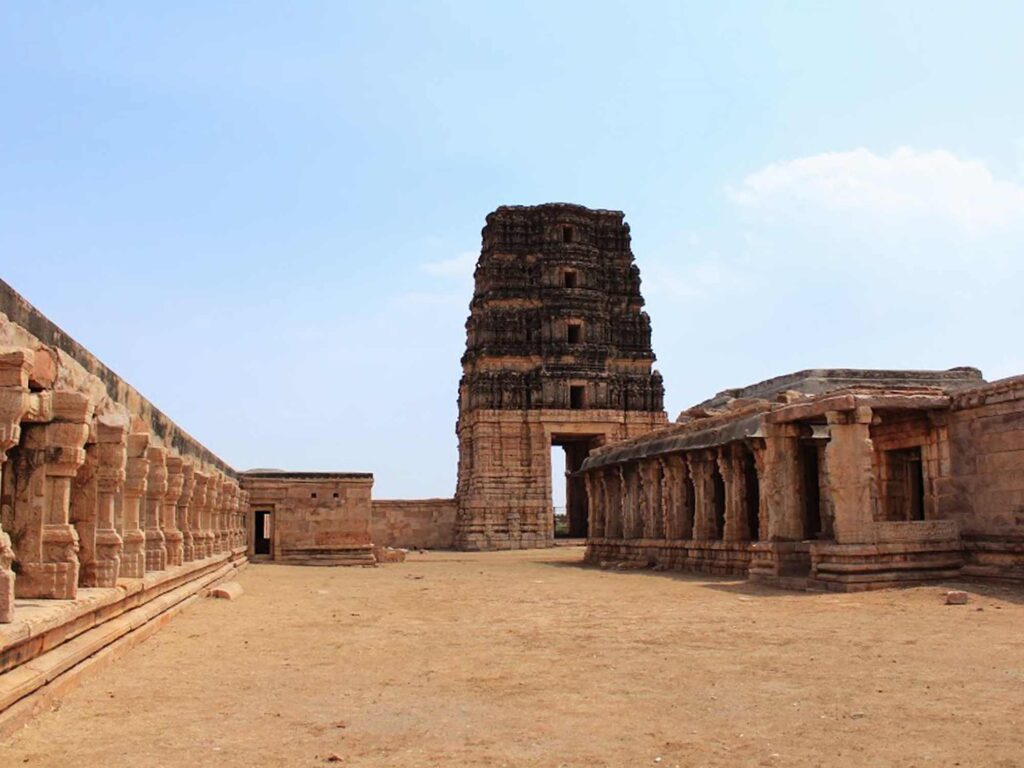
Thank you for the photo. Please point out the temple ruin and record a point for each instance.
(113, 518)
(839, 480)
(558, 353)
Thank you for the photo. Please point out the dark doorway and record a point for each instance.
(811, 490)
(690, 504)
(753, 500)
(904, 486)
(575, 523)
(718, 503)
(261, 533)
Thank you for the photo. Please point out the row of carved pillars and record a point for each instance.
(87, 500)
(746, 491)
(697, 495)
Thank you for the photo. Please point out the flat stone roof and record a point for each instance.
(818, 381)
(283, 474)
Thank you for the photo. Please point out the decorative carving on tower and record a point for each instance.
(558, 351)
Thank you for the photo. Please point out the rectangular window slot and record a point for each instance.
(577, 395)
(574, 333)
(569, 278)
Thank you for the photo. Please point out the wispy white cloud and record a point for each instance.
(907, 184)
(461, 265)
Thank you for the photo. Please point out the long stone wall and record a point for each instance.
(414, 524)
(104, 501)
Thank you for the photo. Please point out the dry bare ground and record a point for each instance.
(529, 659)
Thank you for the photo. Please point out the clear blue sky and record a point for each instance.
(259, 213)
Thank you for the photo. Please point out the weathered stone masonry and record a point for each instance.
(106, 506)
(831, 479)
(558, 352)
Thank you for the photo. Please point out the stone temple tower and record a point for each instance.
(558, 353)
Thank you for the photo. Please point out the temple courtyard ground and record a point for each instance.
(529, 659)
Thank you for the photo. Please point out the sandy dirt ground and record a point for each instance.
(529, 659)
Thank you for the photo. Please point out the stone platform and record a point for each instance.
(53, 644)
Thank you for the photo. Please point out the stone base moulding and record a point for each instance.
(53, 645)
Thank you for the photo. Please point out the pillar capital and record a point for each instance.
(175, 479)
(112, 449)
(137, 467)
(859, 415)
(16, 365)
(156, 481)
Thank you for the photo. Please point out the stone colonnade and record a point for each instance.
(702, 497)
(792, 498)
(89, 496)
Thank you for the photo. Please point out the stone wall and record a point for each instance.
(112, 517)
(316, 517)
(984, 490)
(851, 489)
(414, 524)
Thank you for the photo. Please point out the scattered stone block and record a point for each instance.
(229, 590)
(956, 597)
(389, 554)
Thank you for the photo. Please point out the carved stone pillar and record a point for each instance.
(243, 517)
(730, 465)
(156, 489)
(96, 485)
(133, 557)
(701, 465)
(678, 515)
(112, 447)
(169, 524)
(184, 512)
(226, 505)
(850, 476)
(47, 547)
(613, 499)
(237, 537)
(15, 366)
(595, 495)
(652, 487)
(196, 514)
(210, 513)
(781, 481)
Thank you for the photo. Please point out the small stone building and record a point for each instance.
(310, 518)
(835, 479)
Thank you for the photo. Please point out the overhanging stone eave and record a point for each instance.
(848, 401)
(742, 428)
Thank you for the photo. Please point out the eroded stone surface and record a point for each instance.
(558, 351)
